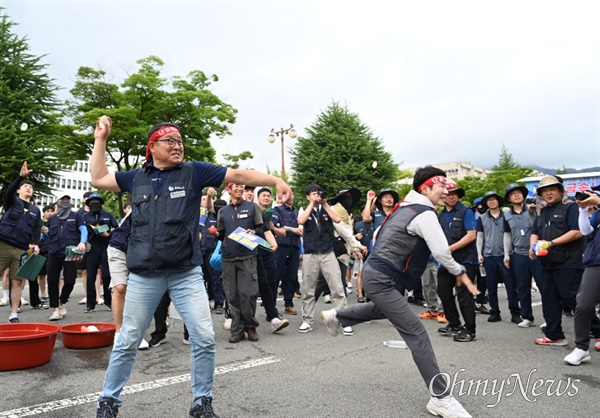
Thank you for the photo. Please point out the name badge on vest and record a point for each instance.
(242, 215)
(177, 194)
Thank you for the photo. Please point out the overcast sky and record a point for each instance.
(437, 81)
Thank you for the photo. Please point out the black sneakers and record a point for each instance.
(107, 410)
(204, 409)
(464, 336)
(515, 318)
(495, 317)
(449, 330)
(155, 341)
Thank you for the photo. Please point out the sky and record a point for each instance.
(436, 81)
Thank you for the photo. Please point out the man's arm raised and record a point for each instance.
(256, 178)
(101, 178)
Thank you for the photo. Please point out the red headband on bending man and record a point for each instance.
(431, 181)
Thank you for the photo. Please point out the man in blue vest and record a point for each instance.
(208, 244)
(405, 240)
(287, 234)
(65, 229)
(558, 226)
(384, 202)
(100, 225)
(164, 253)
(459, 226)
(20, 231)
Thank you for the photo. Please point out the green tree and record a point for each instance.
(505, 161)
(143, 99)
(30, 114)
(562, 170)
(506, 171)
(340, 151)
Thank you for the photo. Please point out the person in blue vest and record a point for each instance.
(480, 299)
(557, 225)
(97, 257)
(404, 242)
(47, 212)
(164, 254)
(287, 234)
(459, 226)
(65, 228)
(20, 231)
(240, 277)
(208, 243)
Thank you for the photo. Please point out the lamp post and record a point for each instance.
(291, 132)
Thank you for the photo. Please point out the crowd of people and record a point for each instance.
(429, 249)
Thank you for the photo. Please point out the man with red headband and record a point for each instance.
(405, 240)
(164, 253)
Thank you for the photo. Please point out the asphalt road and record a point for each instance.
(288, 375)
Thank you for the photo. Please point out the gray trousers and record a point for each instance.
(387, 302)
(429, 282)
(588, 296)
(240, 282)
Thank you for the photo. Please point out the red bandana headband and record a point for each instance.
(157, 135)
(431, 181)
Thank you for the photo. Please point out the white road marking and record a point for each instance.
(140, 387)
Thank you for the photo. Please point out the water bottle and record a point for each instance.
(481, 270)
(395, 344)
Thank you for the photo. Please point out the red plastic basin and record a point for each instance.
(74, 337)
(26, 344)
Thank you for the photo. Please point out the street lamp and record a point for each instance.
(291, 132)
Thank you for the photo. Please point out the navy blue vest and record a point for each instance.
(102, 218)
(164, 232)
(318, 238)
(232, 217)
(456, 231)
(551, 224)
(63, 232)
(17, 225)
(119, 238)
(209, 241)
(283, 215)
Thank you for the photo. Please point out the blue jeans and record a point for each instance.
(188, 294)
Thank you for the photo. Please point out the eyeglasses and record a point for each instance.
(171, 141)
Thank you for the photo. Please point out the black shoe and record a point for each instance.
(89, 310)
(568, 314)
(482, 309)
(410, 299)
(234, 339)
(107, 410)
(219, 309)
(155, 341)
(449, 330)
(464, 336)
(419, 302)
(495, 317)
(40, 306)
(203, 410)
(515, 318)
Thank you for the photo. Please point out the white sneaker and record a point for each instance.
(24, 301)
(3, 302)
(543, 326)
(578, 356)
(327, 299)
(447, 407)
(349, 286)
(331, 322)
(278, 324)
(83, 301)
(349, 290)
(305, 327)
(526, 323)
(227, 324)
(55, 316)
(348, 331)
(100, 301)
(63, 311)
(143, 345)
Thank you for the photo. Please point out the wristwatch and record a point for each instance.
(552, 243)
